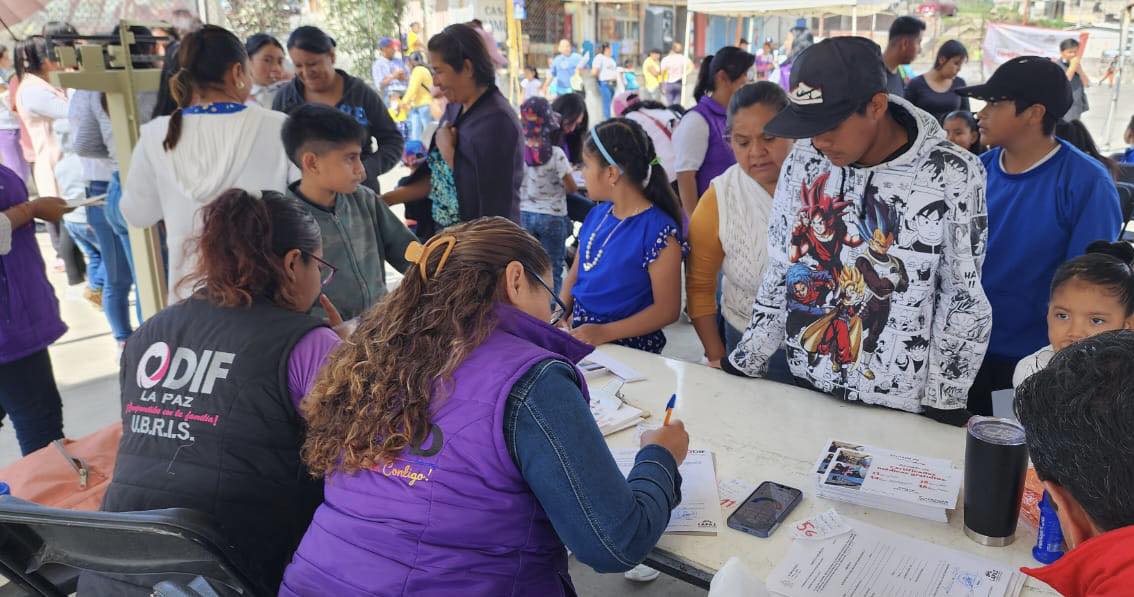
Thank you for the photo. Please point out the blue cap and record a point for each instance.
(385, 42)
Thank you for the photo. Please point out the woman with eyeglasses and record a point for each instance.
(211, 388)
(459, 454)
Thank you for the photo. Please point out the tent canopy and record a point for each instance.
(785, 7)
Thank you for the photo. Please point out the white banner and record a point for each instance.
(1005, 42)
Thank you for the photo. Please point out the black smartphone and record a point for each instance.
(765, 509)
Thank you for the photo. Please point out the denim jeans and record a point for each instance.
(419, 118)
(672, 93)
(551, 232)
(84, 238)
(30, 398)
(117, 224)
(606, 90)
(116, 267)
(778, 369)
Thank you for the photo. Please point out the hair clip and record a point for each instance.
(419, 253)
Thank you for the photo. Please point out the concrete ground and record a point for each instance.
(86, 371)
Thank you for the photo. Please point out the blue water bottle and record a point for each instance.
(1049, 538)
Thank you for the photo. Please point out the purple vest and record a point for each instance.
(718, 156)
(454, 516)
(29, 311)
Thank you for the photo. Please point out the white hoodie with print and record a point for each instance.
(873, 277)
(214, 153)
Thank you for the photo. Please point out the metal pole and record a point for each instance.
(1123, 36)
(854, 20)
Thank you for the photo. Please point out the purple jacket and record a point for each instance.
(453, 516)
(718, 155)
(29, 311)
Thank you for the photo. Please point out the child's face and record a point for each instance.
(1080, 310)
(599, 177)
(960, 133)
(338, 169)
(1000, 124)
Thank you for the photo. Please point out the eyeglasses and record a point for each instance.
(326, 270)
(560, 309)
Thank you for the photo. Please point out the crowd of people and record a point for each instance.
(834, 223)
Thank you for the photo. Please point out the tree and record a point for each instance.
(357, 25)
(247, 17)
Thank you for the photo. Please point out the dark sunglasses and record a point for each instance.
(326, 270)
(560, 309)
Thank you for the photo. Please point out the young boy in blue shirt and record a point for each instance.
(360, 233)
(1046, 202)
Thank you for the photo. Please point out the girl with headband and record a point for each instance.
(453, 425)
(625, 284)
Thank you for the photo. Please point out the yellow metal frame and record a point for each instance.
(121, 83)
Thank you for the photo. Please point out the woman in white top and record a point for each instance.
(214, 141)
(702, 154)
(729, 230)
(605, 69)
(266, 57)
(40, 104)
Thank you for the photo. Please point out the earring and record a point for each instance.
(240, 84)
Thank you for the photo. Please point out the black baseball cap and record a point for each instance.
(1032, 79)
(829, 81)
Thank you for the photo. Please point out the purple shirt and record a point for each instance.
(306, 359)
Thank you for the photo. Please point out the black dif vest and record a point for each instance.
(208, 424)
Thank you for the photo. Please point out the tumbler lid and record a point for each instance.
(993, 430)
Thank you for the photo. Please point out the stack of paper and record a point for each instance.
(612, 413)
(700, 510)
(598, 362)
(880, 478)
(854, 558)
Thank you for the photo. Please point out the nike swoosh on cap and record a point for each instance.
(805, 95)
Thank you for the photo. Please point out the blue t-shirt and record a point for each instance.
(1036, 221)
(1127, 156)
(563, 68)
(618, 283)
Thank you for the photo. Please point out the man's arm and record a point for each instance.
(956, 350)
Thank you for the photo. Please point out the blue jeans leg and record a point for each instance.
(607, 92)
(85, 239)
(551, 232)
(419, 118)
(30, 398)
(118, 225)
(119, 278)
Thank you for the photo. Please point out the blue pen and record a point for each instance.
(669, 408)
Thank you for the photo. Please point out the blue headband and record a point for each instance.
(603, 151)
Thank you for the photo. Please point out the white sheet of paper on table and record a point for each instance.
(699, 512)
(610, 413)
(821, 526)
(599, 361)
(881, 563)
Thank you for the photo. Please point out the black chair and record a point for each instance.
(1126, 202)
(43, 550)
(1126, 173)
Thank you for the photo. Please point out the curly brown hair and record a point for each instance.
(241, 246)
(373, 398)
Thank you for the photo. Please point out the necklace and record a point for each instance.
(588, 263)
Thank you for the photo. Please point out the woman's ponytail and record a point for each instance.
(241, 246)
(705, 82)
(204, 57)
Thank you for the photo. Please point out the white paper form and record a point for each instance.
(872, 562)
(700, 510)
